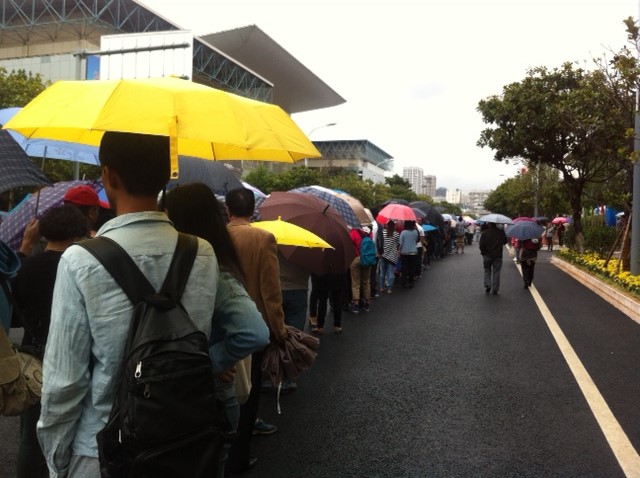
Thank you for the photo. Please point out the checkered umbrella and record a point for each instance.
(35, 205)
(524, 230)
(16, 169)
(337, 203)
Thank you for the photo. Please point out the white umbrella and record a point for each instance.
(496, 218)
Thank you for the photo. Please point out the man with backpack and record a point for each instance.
(360, 268)
(91, 314)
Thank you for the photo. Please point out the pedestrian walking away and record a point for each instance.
(528, 254)
(492, 241)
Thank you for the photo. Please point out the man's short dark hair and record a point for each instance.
(63, 223)
(140, 160)
(241, 202)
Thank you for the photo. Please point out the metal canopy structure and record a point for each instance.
(37, 22)
(355, 149)
(295, 88)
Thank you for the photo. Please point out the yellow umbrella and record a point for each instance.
(288, 234)
(202, 122)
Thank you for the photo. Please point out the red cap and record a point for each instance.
(83, 196)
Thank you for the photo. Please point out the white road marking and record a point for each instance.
(622, 448)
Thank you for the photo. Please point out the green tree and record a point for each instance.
(564, 118)
(19, 87)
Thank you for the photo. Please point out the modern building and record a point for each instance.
(415, 176)
(475, 200)
(360, 156)
(430, 185)
(454, 196)
(62, 40)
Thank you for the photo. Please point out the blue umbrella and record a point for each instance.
(48, 148)
(428, 227)
(524, 230)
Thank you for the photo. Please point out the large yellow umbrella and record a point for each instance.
(202, 122)
(288, 234)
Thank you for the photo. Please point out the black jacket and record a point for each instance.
(492, 241)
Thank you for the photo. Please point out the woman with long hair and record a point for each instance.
(237, 328)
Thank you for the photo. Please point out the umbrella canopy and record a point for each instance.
(404, 202)
(524, 230)
(420, 214)
(397, 212)
(16, 169)
(202, 122)
(294, 354)
(434, 217)
(495, 218)
(523, 219)
(288, 234)
(428, 227)
(338, 203)
(217, 176)
(559, 220)
(315, 215)
(423, 206)
(358, 208)
(35, 205)
(48, 148)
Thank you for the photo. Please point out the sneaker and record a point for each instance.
(316, 330)
(389, 290)
(337, 330)
(262, 428)
(313, 321)
(365, 307)
(355, 308)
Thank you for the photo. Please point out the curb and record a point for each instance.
(622, 302)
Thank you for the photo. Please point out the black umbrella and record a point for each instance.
(16, 169)
(214, 174)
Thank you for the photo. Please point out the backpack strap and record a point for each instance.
(129, 276)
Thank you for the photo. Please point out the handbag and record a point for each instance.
(20, 378)
(20, 374)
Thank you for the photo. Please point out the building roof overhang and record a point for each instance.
(296, 89)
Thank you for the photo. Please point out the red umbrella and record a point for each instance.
(397, 212)
(315, 215)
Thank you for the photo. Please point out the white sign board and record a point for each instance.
(146, 55)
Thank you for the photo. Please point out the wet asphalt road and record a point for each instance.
(443, 380)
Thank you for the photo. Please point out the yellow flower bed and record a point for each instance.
(592, 262)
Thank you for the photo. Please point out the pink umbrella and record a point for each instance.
(523, 218)
(559, 220)
(397, 212)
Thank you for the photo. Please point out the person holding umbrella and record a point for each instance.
(492, 241)
(528, 253)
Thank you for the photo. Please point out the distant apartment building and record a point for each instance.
(454, 196)
(475, 200)
(430, 185)
(415, 177)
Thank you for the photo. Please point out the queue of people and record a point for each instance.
(241, 293)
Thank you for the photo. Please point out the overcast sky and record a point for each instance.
(412, 72)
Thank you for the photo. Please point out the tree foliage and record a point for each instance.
(370, 194)
(566, 118)
(19, 87)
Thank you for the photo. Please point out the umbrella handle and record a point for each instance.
(35, 214)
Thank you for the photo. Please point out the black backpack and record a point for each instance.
(165, 420)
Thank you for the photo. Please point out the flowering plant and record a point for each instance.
(592, 262)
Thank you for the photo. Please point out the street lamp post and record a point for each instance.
(306, 160)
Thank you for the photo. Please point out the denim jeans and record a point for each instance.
(294, 306)
(386, 273)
